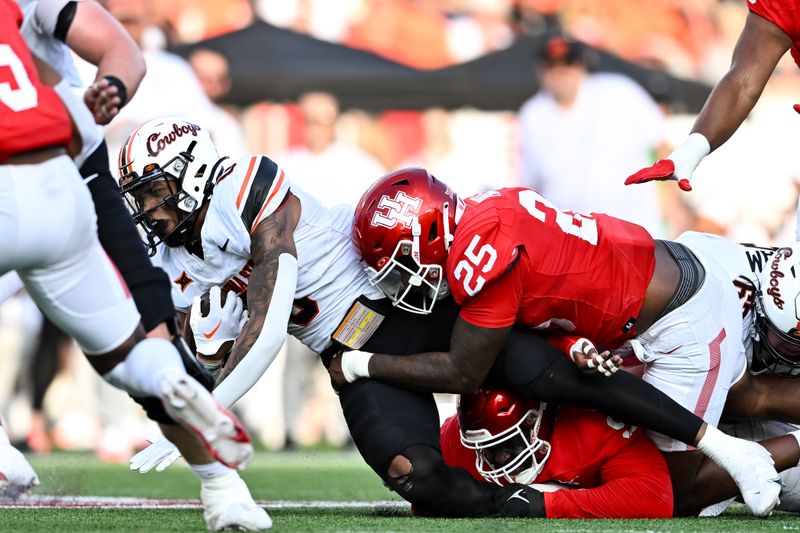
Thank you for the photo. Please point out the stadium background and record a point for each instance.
(441, 82)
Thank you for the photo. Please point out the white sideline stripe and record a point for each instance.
(104, 502)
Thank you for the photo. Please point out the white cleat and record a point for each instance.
(192, 406)
(16, 474)
(752, 468)
(228, 505)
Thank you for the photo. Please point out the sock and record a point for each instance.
(149, 362)
(211, 470)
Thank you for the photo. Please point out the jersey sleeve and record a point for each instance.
(635, 483)
(496, 305)
(782, 13)
(483, 264)
(53, 17)
(262, 187)
(246, 193)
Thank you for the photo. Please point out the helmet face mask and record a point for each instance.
(776, 332)
(411, 286)
(403, 227)
(504, 433)
(181, 156)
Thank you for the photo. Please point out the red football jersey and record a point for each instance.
(517, 259)
(31, 113)
(785, 14)
(624, 474)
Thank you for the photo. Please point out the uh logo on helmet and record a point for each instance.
(183, 154)
(403, 227)
(777, 321)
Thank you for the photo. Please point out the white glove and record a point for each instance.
(222, 323)
(161, 453)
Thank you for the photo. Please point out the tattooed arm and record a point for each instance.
(270, 295)
(473, 349)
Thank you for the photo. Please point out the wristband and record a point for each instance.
(122, 91)
(355, 365)
(688, 155)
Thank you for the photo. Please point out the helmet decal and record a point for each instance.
(158, 140)
(403, 209)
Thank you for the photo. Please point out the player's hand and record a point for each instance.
(103, 101)
(338, 381)
(663, 169)
(160, 454)
(590, 362)
(222, 322)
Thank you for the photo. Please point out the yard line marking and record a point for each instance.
(105, 502)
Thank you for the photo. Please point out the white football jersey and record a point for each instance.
(330, 275)
(743, 264)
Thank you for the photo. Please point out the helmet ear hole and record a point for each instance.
(433, 232)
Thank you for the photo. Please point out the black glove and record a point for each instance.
(519, 501)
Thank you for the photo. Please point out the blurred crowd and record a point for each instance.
(576, 141)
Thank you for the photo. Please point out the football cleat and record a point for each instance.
(192, 406)
(16, 474)
(228, 505)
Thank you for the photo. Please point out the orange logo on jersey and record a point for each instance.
(183, 280)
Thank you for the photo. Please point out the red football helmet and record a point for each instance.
(501, 428)
(403, 228)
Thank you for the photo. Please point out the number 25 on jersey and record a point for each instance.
(482, 259)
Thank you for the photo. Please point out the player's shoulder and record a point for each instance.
(252, 187)
(485, 242)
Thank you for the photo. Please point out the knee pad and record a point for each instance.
(435, 489)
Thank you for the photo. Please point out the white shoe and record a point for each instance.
(228, 505)
(752, 468)
(16, 474)
(191, 405)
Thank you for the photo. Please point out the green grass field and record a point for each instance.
(297, 477)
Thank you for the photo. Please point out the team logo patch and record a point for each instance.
(402, 209)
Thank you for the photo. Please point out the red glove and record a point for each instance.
(663, 169)
(797, 107)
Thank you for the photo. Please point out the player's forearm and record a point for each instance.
(262, 338)
(430, 372)
(631, 497)
(728, 106)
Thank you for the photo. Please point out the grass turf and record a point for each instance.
(300, 476)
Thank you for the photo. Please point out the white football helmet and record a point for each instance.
(777, 319)
(504, 432)
(179, 152)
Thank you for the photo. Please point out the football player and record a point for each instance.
(49, 237)
(53, 29)
(770, 30)
(511, 257)
(499, 437)
(244, 228)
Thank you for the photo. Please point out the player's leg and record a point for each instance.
(148, 284)
(764, 397)
(397, 433)
(17, 477)
(69, 276)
